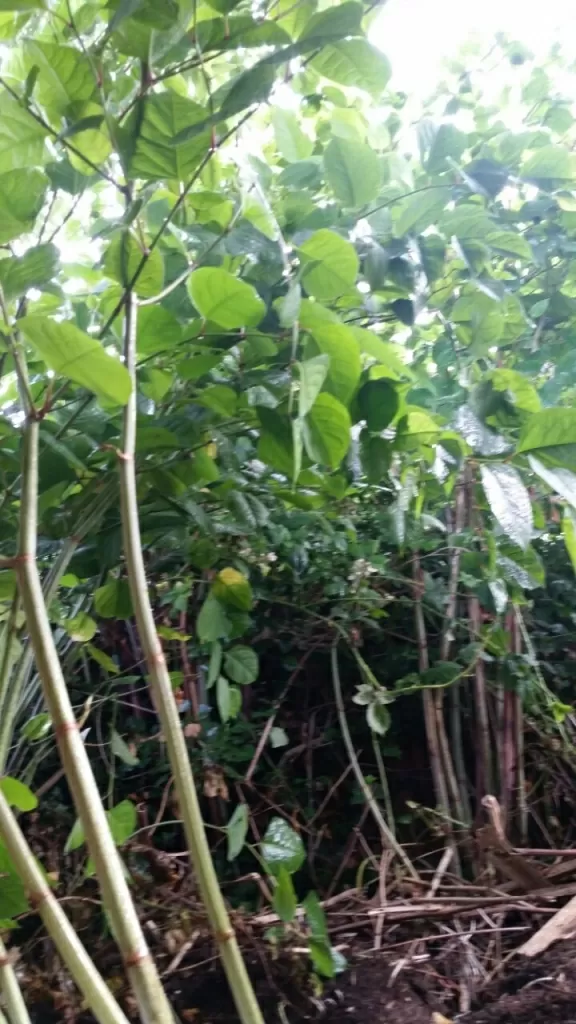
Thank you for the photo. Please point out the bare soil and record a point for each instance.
(542, 991)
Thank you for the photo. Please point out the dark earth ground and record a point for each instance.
(370, 992)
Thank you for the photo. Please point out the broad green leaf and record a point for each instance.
(550, 163)
(449, 143)
(276, 443)
(158, 331)
(223, 698)
(32, 270)
(122, 259)
(511, 244)
(122, 819)
(212, 622)
(235, 701)
(386, 353)
(13, 898)
(224, 299)
(18, 794)
(569, 534)
(340, 345)
(233, 588)
(278, 737)
(417, 212)
(220, 398)
(312, 376)
(156, 154)
(112, 600)
(22, 139)
(378, 403)
(376, 456)
(354, 62)
(548, 428)
(156, 384)
(333, 23)
(327, 431)
(92, 143)
(292, 142)
(120, 748)
(248, 88)
(331, 265)
(282, 847)
(65, 75)
(353, 170)
(509, 501)
(21, 199)
(284, 898)
(236, 831)
(520, 390)
(241, 665)
(76, 355)
(561, 481)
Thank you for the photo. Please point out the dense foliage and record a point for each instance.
(356, 441)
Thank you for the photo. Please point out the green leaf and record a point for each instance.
(282, 847)
(241, 665)
(278, 737)
(17, 794)
(275, 445)
(249, 87)
(331, 265)
(548, 428)
(37, 727)
(220, 398)
(122, 819)
(322, 957)
(224, 299)
(291, 141)
(378, 403)
(561, 481)
(80, 627)
(112, 600)
(549, 163)
(315, 917)
(223, 698)
(236, 831)
(22, 139)
(354, 62)
(233, 588)
(156, 384)
(76, 837)
(509, 501)
(333, 23)
(417, 212)
(21, 199)
(65, 75)
(327, 431)
(13, 899)
(340, 345)
(212, 622)
(158, 152)
(120, 748)
(32, 270)
(353, 171)
(76, 355)
(511, 244)
(122, 259)
(569, 534)
(312, 376)
(386, 353)
(158, 331)
(102, 659)
(378, 718)
(284, 897)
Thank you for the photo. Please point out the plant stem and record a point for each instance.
(11, 991)
(388, 836)
(93, 987)
(384, 783)
(152, 1002)
(166, 707)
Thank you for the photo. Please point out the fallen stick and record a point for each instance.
(561, 926)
